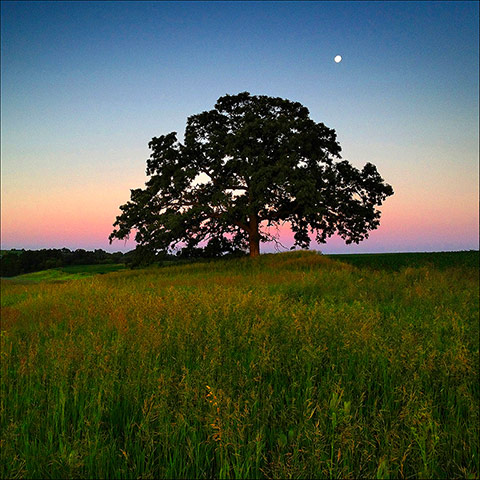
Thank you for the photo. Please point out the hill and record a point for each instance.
(288, 365)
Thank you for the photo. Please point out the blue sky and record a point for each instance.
(86, 85)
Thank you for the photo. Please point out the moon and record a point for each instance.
(338, 59)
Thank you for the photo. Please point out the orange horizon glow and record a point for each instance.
(61, 223)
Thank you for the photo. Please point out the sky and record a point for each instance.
(86, 85)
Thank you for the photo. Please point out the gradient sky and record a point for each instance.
(86, 85)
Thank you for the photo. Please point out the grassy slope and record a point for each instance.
(62, 274)
(290, 365)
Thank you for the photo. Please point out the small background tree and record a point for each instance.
(251, 163)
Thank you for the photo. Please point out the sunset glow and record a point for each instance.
(83, 92)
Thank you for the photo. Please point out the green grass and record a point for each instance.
(396, 261)
(288, 366)
(93, 269)
(64, 274)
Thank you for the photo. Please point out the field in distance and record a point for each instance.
(62, 274)
(288, 365)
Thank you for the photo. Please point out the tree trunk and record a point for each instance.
(254, 247)
(254, 237)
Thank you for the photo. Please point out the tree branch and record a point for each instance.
(238, 223)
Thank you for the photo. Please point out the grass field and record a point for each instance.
(63, 274)
(397, 261)
(292, 365)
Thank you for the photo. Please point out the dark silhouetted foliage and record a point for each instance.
(10, 265)
(251, 163)
(17, 262)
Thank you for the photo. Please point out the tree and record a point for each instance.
(10, 264)
(251, 163)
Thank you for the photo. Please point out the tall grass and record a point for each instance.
(287, 366)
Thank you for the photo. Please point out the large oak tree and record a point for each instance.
(251, 163)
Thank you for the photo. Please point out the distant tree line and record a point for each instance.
(17, 262)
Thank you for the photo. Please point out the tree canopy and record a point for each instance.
(249, 165)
